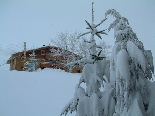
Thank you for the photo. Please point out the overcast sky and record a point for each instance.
(38, 21)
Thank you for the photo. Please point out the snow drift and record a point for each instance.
(41, 93)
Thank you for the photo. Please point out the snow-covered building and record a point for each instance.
(47, 57)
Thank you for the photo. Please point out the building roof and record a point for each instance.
(20, 54)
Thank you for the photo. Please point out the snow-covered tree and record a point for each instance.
(128, 90)
(69, 41)
(91, 101)
(32, 64)
(106, 48)
(130, 69)
(67, 55)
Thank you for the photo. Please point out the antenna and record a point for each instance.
(92, 13)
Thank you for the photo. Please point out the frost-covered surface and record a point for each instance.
(128, 90)
(151, 108)
(130, 68)
(41, 93)
(91, 101)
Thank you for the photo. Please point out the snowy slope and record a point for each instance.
(42, 93)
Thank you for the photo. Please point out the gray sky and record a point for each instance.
(37, 21)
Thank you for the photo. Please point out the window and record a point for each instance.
(53, 61)
(78, 71)
(52, 51)
(42, 52)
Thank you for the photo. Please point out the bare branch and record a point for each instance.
(101, 22)
(98, 35)
(89, 25)
(83, 34)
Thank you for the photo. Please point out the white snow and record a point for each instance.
(122, 64)
(151, 108)
(128, 92)
(136, 54)
(130, 67)
(41, 93)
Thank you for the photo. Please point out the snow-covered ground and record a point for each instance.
(42, 93)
